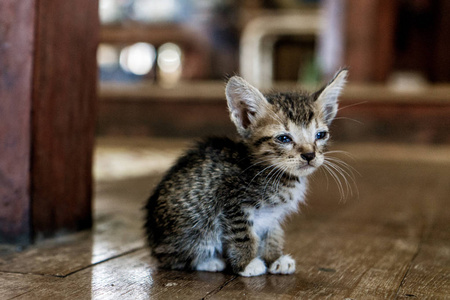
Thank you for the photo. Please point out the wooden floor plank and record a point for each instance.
(117, 230)
(69, 254)
(429, 274)
(392, 241)
(132, 276)
(16, 285)
(361, 249)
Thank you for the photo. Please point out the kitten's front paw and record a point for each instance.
(283, 265)
(211, 265)
(255, 268)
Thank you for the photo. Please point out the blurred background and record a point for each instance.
(163, 64)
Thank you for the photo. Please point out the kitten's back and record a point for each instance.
(184, 206)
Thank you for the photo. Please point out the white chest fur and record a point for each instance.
(268, 217)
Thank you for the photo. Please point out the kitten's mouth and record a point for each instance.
(306, 167)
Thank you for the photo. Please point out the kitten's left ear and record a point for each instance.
(327, 97)
(246, 104)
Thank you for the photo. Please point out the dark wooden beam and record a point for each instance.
(47, 111)
(64, 115)
(16, 62)
(369, 46)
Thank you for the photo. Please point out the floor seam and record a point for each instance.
(100, 262)
(75, 271)
(425, 235)
(219, 288)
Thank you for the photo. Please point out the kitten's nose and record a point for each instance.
(308, 156)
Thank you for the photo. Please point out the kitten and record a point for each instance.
(223, 202)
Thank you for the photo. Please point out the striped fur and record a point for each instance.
(223, 202)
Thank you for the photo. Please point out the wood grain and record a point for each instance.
(16, 60)
(64, 110)
(47, 112)
(13, 285)
(390, 242)
(131, 277)
(117, 230)
(362, 249)
(428, 275)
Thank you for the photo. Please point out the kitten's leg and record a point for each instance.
(271, 250)
(242, 246)
(207, 251)
(213, 264)
(256, 267)
(285, 264)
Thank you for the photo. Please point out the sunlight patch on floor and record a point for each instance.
(116, 159)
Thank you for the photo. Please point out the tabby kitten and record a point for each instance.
(223, 202)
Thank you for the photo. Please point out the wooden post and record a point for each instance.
(47, 116)
(369, 47)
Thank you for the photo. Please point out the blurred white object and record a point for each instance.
(110, 11)
(138, 58)
(169, 64)
(148, 11)
(332, 39)
(260, 35)
(107, 56)
(407, 81)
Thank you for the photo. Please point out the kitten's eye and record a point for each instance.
(284, 139)
(321, 135)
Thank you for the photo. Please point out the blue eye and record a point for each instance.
(284, 139)
(321, 135)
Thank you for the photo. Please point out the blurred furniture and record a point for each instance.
(260, 35)
(369, 112)
(364, 34)
(196, 49)
(47, 117)
(383, 36)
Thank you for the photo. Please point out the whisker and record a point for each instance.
(341, 108)
(349, 171)
(340, 161)
(324, 172)
(279, 177)
(255, 164)
(343, 164)
(345, 171)
(269, 179)
(351, 105)
(346, 153)
(336, 179)
(271, 166)
(349, 119)
(342, 172)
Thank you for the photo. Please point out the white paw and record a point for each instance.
(283, 265)
(254, 268)
(211, 265)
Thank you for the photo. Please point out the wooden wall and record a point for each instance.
(47, 116)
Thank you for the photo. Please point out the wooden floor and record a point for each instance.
(391, 240)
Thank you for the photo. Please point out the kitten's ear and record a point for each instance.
(245, 102)
(327, 97)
